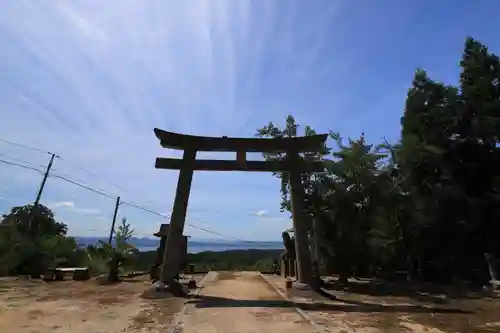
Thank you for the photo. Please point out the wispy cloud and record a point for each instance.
(70, 206)
(90, 80)
(262, 213)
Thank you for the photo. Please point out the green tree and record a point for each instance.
(30, 246)
(340, 200)
(43, 223)
(123, 234)
(290, 130)
(350, 204)
(429, 203)
(104, 254)
(450, 155)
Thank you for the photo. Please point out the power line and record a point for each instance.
(129, 203)
(92, 174)
(101, 192)
(17, 159)
(20, 166)
(166, 216)
(191, 225)
(81, 182)
(84, 186)
(24, 146)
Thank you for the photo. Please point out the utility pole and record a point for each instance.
(114, 220)
(32, 227)
(39, 194)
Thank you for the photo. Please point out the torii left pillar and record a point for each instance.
(172, 255)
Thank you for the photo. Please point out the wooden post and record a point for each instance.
(171, 254)
(114, 221)
(303, 254)
(34, 210)
(241, 157)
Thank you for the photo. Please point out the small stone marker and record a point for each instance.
(192, 284)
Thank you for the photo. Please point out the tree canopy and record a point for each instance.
(427, 204)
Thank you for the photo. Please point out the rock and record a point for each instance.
(300, 286)
(159, 286)
(161, 290)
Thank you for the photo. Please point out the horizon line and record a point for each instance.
(192, 238)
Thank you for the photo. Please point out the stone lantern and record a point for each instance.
(163, 234)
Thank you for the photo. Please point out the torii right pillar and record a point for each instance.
(299, 220)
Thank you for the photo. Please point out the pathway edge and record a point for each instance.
(176, 325)
(301, 312)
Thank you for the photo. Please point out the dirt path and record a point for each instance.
(240, 302)
(385, 310)
(84, 306)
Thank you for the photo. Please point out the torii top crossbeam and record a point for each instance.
(224, 144)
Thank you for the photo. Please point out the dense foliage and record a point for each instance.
(29, 243)
(427, 204)
(32, 241)
(252, 259)
(23, 251)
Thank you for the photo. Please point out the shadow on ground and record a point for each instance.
(348, 306)
(437, 294)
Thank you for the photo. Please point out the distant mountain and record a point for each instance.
(194, 244)
(137, 241)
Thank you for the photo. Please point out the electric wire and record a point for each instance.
(103, 193)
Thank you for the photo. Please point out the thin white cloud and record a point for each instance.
(261, 213)
(66, 204)
(70, 206)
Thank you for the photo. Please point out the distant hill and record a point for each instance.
(137, 241)
(240, 259)
(195, 245)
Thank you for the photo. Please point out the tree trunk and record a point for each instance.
(411, 275)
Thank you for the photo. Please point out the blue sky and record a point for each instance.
(90, 80)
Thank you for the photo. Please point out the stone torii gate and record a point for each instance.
(293, 165)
